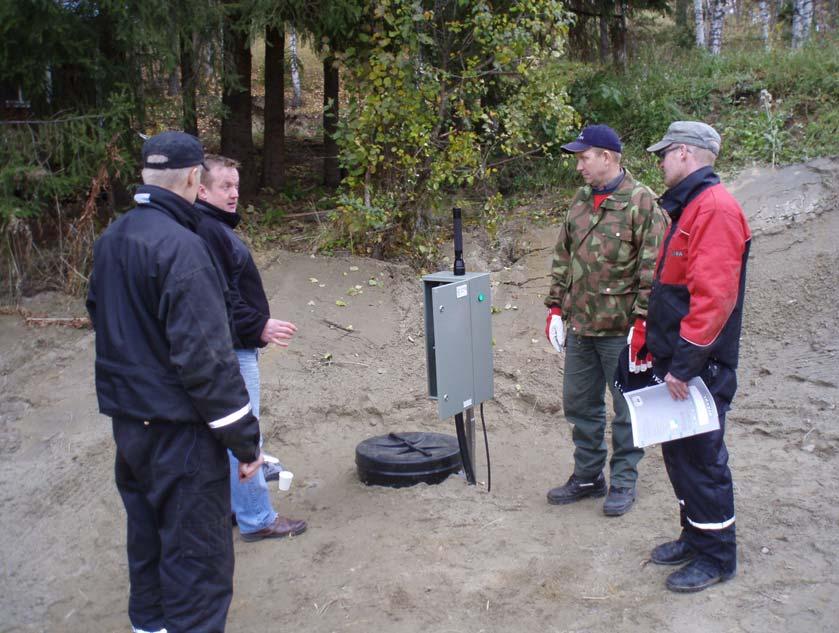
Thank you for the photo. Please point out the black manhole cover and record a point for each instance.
(405, 459)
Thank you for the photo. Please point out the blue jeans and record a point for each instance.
(250, 499)
(590, 363)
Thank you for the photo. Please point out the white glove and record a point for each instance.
(556, 332)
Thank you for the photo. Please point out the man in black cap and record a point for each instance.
(167, 376)
(600, 283)
(693, 329)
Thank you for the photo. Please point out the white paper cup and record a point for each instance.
(285, 479)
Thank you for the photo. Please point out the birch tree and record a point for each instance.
(717, 22)
(763, 13)
(802, 19)
(699, 22)
(297, 99)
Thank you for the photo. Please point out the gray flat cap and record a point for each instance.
(693, 133)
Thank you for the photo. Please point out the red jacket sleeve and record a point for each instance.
(716, 244)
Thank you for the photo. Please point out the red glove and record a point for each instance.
(552, 312)
(555, 329)
(639, 358)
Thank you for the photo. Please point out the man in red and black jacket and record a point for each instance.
(693, 329)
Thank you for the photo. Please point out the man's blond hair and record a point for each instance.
(616, 156)
(216, 160)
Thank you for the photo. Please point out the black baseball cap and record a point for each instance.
(601, 136)
(172, 150)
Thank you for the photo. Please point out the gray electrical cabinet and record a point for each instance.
(458, 340)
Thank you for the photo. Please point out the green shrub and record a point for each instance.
(52, 174)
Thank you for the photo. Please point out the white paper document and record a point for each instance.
(657, 417)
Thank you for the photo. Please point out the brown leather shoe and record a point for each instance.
(280, 528)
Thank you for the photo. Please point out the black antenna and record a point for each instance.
(459, 266)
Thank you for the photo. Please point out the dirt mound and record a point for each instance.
(453, 557)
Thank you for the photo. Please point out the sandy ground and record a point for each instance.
(452, 557)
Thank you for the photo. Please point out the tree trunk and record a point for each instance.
(682, 14)
(237, 123)
(763, 11)
(273, 150)
(619, 36)
(807, 8)
(331, 85)
(188, 81)
(605, 10)
(717, 22)
(297, 99)
(802, 18)
(578, 41)
(699, 23)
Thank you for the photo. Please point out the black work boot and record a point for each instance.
(696, 576)
(672, 553)
(618, 501)
(576, 489)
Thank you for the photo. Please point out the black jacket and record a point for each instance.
(249, 305)
(163, 347)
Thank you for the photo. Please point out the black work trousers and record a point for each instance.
(698, 470)
(174, 480)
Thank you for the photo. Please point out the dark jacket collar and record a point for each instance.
(230, 219)
(677, 198)
(169, 202)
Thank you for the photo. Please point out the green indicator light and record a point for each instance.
(481, 297)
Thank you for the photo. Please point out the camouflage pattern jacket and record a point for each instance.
(604, 260)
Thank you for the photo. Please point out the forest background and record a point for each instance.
(359, 123)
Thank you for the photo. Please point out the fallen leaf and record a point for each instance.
(494, 310)
(372, 282)
(341, 304)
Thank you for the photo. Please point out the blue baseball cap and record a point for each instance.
(601, 136)
(172, 150)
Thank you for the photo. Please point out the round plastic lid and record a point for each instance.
(407, 458)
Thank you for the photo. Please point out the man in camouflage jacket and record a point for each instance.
(600, 284)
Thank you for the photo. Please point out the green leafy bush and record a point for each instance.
(52, 173)
(438, 101)
(755, 98)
